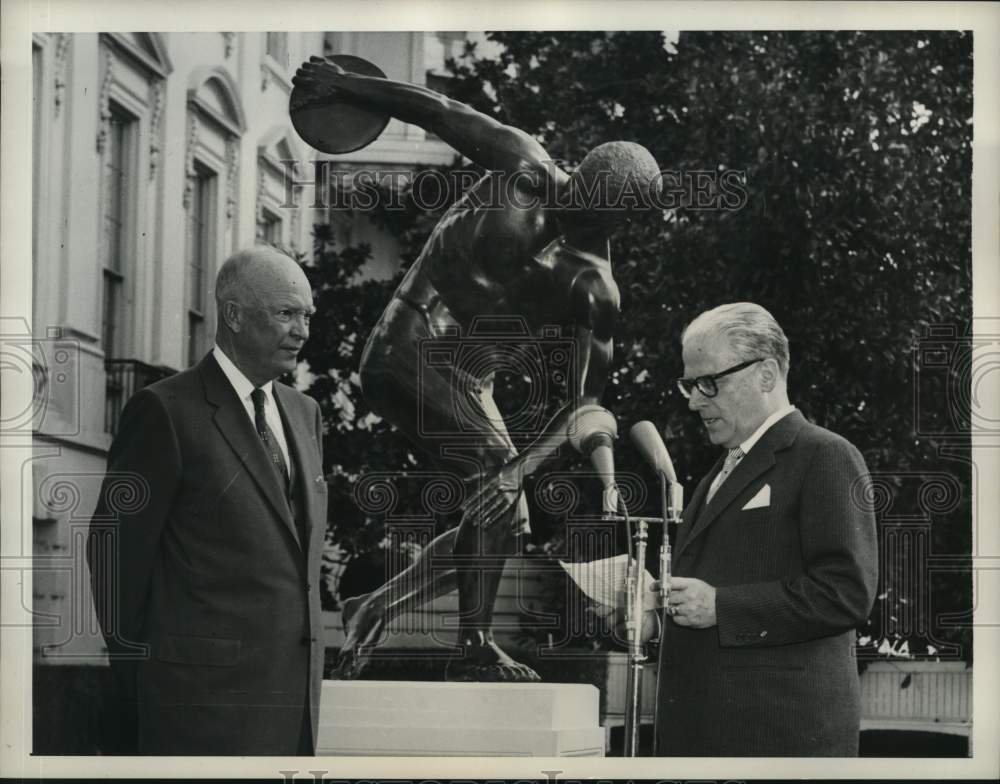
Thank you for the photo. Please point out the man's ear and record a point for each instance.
(769, 374)
(232, 315)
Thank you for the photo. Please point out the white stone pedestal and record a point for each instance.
(409, 718)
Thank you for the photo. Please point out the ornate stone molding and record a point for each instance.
(148, 55)
(228, 42)
(189, 171)
(232, 171)
(294, 223)
(156, 119)
(272, 73)
(59, 67)
(104, 102)
(230, 116)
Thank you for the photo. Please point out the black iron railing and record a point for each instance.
(125, 377)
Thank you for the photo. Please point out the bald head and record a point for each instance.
(264, 305)
(253, 270)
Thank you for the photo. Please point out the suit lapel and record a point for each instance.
(235, 427)
(690, 513)
(759, 460)
(297, 428)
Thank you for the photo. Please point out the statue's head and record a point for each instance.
(614, 181)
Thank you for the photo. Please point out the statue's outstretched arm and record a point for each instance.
(481, 138)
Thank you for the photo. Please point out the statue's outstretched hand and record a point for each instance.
(496, 496)
(316, 75)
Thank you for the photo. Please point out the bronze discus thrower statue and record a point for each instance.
(542, 256)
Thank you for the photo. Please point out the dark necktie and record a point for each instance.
(267, 436)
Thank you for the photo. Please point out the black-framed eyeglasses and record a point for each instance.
(706, 384)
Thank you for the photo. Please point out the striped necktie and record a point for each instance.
(732, 460)
(258, 396)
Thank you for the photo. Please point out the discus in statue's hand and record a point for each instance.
(332, 123)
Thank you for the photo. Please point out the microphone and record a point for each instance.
(602, 459)
(647, 440)
(651, 447)
(592, 432)
(654, 451)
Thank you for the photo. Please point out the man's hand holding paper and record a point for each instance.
(603, 582)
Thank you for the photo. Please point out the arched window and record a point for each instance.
(133, 70)
(215, 124)
(279, 213)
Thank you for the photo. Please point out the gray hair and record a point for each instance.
(231, 281)
(751, 330)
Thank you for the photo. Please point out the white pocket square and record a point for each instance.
(762, 499)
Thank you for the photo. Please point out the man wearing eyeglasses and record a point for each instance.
(774, 565)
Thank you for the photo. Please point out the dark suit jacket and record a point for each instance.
(209, 573)
(777, 675)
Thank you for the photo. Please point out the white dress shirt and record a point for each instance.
(781, 413)
(244, 387)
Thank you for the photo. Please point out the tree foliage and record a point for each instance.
(854, 152)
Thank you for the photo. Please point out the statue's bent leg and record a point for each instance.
(469, 558)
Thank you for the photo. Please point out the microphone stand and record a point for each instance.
(671, 500)
(634, 589)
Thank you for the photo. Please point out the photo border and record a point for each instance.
(20, 17)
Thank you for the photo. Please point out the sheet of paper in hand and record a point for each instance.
(603, 581)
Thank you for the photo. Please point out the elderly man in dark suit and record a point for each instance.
(206, 581)
(774, 566)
